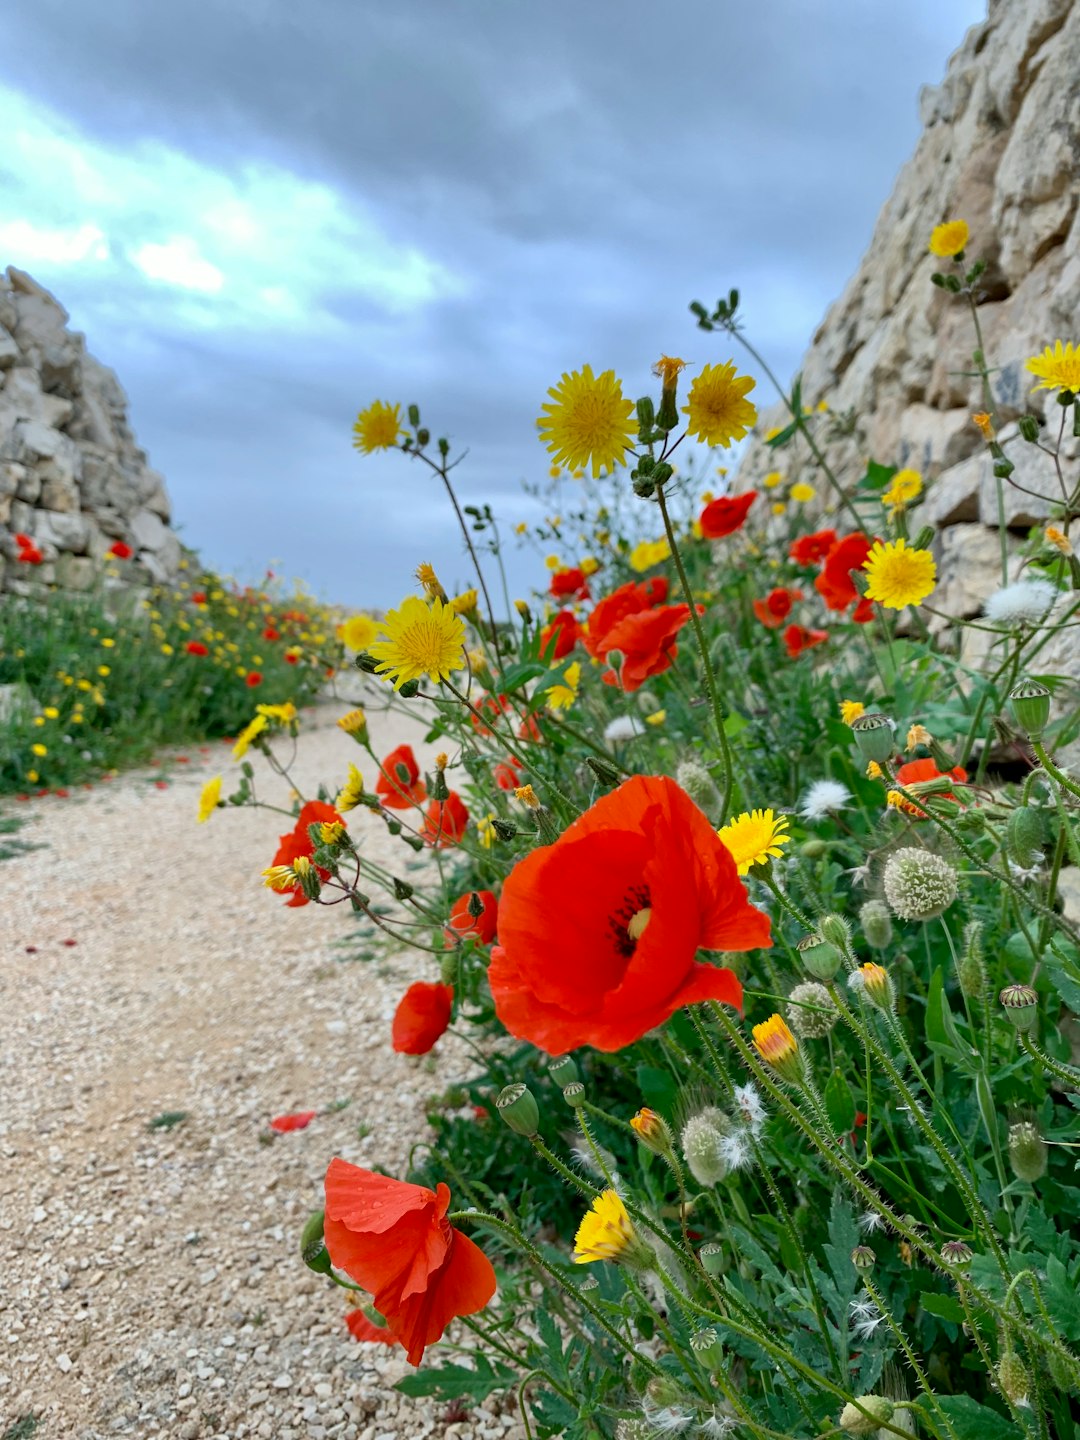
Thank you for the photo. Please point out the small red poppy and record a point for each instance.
(463, 923)
(253, 679)
(61, 793)
(445, 822)
(798, 638)
(399, 782)
(647, 642)
(361, 1328)
(809, 549)
(69, 943)
(488, 705)
(529, 729)
(421, 1018)
(198, 597)
(22, 541)
(196, 647)
(776, 607)
(726, 515)
(120, 551)
(271, 634)
(298, 842)
(395, 1241)
(919, 771)
(567, 584)
(30, 555)
(507, 774)
(835, 584)
(559, 636)
(298, 1121)
(161, 784)
(291, 659)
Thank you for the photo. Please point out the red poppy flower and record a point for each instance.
(656, 589)
(445, 822)
(809, 549)
(726, 515)
(22, 541)
(798, 638)
(835, 584)
(300, 1121)
(567, 584)
(161, 784)
(30, 555)
(600, 930)
(463, 924)
(629, 599)
(918, 771)
(863, 612)
(361, 1328)
(196, 647)
(198, 597)
(394, 1239)
(253, 679)
(69, 943)
(489, 705)
(399, 784)
(422, 1015)
(647, 641)
(559, 636)
(776, 607)
(120, 550)
(290, 658)
(271, 634)
(507, 774)
(62, 794)
(298, 842)
(529, 729)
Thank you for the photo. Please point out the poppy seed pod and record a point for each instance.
(1031, 705)
(712, 1258)
(1021, 1005)
(918, 884)
(956, 1254)
(863, 1258)
(563, 1071)
(706, 1346)
(574, 1094)
(517, 1106)
(874, 737)
(876, 923)
(821, 959)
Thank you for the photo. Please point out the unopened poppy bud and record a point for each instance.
(835, 930)
(605, 773)
(1031, 705)
(863, 1258)
(1027, 1151)
(866, 1414)
(312, 1246)
(821, 959)
(475, 906)
(439, 788)
(876, 923)
(504, 829)
(875, 984)
(664, 1391)
(563, 1070)
(1013, 1378)
(707, 1347)
(574, 1094)
(702, 1142)
(971, 972)
(874, 737)
(1029, 428)
(1021, 1005)
(615, 659)
(651, 1129)
(814, 849)
(956, 1254)
(698, 784)
(1024, 835)
(517, 1105)
(712, 1258)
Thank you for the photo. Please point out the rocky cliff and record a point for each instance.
(71, 475)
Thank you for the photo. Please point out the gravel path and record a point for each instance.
(151, 1283)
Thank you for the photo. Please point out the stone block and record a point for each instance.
(148, 531)
(9, 351)
(61, 530)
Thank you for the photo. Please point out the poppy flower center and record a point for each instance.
(630, 918)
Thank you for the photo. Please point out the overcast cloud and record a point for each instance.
(265, 214)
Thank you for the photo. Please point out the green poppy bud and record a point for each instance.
(1031, 705)
(874, 737)
(1021, 1005)
(517, 1105)
(1027, 1151)
(821, 959)
(876, 923)
(313, 1250)
(879, 1411)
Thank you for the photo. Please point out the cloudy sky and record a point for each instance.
(265, 214)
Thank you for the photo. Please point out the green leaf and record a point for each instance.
(518, 675)
(1062, 1301)
(969, 1419)
(1064, 974)
(658, 1089)
(877, 476)
(735, 724)
(941, 1033)
(840, 1103)
(945, 1307)
(456, 1382)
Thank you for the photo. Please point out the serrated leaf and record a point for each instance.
(1064, 974)
(1062, 1299)
(456, 1382)
(969, 1419)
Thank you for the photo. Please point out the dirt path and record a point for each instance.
(150, 1280)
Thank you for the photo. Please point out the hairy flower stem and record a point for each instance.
(909, 1354)
(703, 650)
(1067, 1074)
(1052, 770)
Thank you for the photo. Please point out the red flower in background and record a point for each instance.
(835, 584)
(298, 842)
(120, 550)
(809, 549)
(198, 597)
(300, 1121)
(863, 612)
(29, 554)
(798, 638)
(361, 1328)
(917, 771)
(22, 541)
(776, 607)
(422, 1015)
(726, 515)
(489, 705)
(445, 822)
(507, 774)
(463, 924)
(599, 931)
(656, 589)
(567, 584)
(196, 647)
(253, 678)
(647, 642)
(291, 659)
(395, 1241)
(562, 632)
(271, 634)
(399, 785)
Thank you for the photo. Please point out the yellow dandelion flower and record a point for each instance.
(648, 553)
(949, 239)
(717, 405)
(104, 670)
(357, 632)
(331, 831)
(1057, 368)
(696, 531)
(773, 479)
(563, 695)
(39, 720)
(521, 528)
(349, 795)
(1052, 535)
(874, 770)
(553, 563)
(899, 576)
(283, 714)
(377, 427)
(51, 712)
(421, 640)
(485, 829)
(906, 485)
(354, 723)
(279, 877)
(589, 565)
(527, 795)
(778, 1047)
(250, 732)
(668, 369)
(208, 799)
(850, 710)
(32, 777)
(779, 507)
(167, 650)
(802, 492)
(822, 407)
(985, 424)
(606, 1232)
(465, 603)
(752, 838)
(656, 718)
(589, 421)
(108, 642)
(39, 750)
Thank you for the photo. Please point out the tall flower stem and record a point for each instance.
(1052, 770)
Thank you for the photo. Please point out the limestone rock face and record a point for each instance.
(71, 475)
(1000, 148)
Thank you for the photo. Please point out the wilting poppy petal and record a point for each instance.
(422, 1015)
(299, 1121)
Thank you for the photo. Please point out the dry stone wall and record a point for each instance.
(1000, 148)
(71, 475)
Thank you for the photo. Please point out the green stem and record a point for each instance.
(1051, 769)
(1067, 1074)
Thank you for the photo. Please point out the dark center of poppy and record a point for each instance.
(628, 920)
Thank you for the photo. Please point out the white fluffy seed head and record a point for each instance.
(823, 798)
(918, 884)
(701, 1139)
(1026, 602)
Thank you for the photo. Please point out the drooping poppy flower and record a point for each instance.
(647, 642)
(798, 638)
(299, 1121)
(559, 636)
(399, 784)
(507, 774)
(196, 647)
(569, 584)
(422, 1015)
(600, 930)
(361, 1328)
(395, 1241)
(445, 822)
(298, 843)
(726, 515)
(776, 607)
(463, 923)
(120, 551)
(917, 772)
(835, 584)
(809, 549)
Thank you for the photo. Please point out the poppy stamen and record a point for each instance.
(629, 920)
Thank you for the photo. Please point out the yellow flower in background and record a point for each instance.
(208, 799)
(521, 528)
(279, 877)
(331, 831)
(606, 1231)
(589, 421)
(563, 695)
(465, 603)
(421, 640)
(779, 508)
(802, 492)
(354, 723)
(1052, 535)
(486, 831)
(377, 427)
(553, 562)
(773, 479)
(284, 714)
(905, 486)
(39, 720)
(822, 407)
(850, 710)
(104, 670)
(917, 735)
(1057, 368)
(248, 734)
(555, 472)
(656, 718)
(986, 425)
(589, 565)
(949, 239)
(108, 642)
(874, 771)
(348, 797)
(778, 1047)
(718, 409)
(752, 837)
(39, 750)
(433, 589)
(357, 632)
(899, 576)
(648, 553)
(51, 712)
(167, 650)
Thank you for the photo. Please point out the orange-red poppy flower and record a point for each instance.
(463, 923)
(422, 1015)
(629, 599)
(399, 784)
(395, 1241)
(559, 636)
(798, 638)
(507, 774)
(445, 822)
(253, 678)
(271, 634)
(120, 551)
(298, 1121)
(30, 555)
(298, 842)
(493, 705)
(863, 612)
(567, 584)
(196, 647)
(916, 772)
(361, 1328)
(726, 515)
(599, 931)
(647, 642)
(198, 597)
(835, 584)
(809, 549)
(776, 607)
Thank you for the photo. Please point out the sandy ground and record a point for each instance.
(150, 1278)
